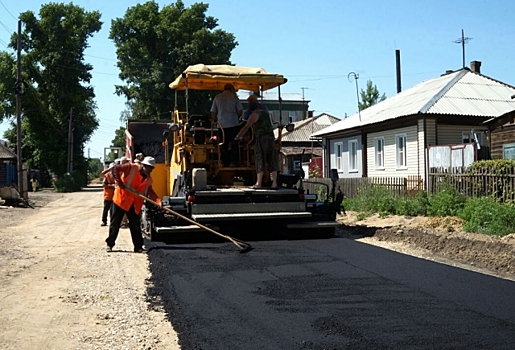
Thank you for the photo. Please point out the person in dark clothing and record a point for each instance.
(266, 151)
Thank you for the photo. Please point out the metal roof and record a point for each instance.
(6, 153)
(304, 128)
(461, 92)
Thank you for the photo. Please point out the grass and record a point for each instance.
(484, 215)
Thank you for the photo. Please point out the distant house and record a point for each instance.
(298, 147)
(293, 107)
(8, 161)
(393, 137)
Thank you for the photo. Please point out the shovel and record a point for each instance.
(242, 246)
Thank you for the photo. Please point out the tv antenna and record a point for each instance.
(355, 76)
(463, 40)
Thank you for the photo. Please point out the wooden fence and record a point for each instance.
(479, 184)
(399, 185)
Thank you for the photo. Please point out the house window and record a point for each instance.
(338, 152)
(508, 151)
(379, 152)
(293, 116)
(469, 136)
(400, 145)
(353, 155)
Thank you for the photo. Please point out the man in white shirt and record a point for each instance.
(227, 110)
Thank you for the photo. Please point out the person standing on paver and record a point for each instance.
(131, 178)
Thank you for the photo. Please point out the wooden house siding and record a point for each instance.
(390, 153)
(452, 134)
(431, 139)
(501, 137)
(421, 149)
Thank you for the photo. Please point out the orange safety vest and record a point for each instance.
(124, 199)
(109, 191)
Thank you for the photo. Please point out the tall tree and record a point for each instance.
(370, 96)
(7, 81)
(154, 46)
(59, 83)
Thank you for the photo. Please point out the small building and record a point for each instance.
(292, 108)
(297, 146)
(8, 163)
(393, 137)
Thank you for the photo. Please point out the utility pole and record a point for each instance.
(462, 41)
(303, 104)
(19, 91)
(356, 77)
(70, 144)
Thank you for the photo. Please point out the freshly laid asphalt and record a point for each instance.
(326, 294)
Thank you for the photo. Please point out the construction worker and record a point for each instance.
(108, 185)
(125, 221)
(139, 158)
(131, 179)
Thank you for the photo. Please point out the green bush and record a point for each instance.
(487, 216)
(373, 199)
(69, 183)
(413, 206)
(447, 202)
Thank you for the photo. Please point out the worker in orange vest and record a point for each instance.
(131, 178)
(108, 185)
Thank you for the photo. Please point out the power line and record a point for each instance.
(8, 10)
(6, 28)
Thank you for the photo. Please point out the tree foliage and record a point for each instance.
(119, 138)
(7, 81)
(53, 66)
(154, 46)
(370, 96)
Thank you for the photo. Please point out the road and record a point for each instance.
(328, 294)
(61, 290)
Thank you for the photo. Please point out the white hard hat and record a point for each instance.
(111, 165)
(150, 161)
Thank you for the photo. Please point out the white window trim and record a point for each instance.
(338, 146)
(398, 154)
(351, 168)
(379, 155)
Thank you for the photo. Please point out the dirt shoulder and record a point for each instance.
(438, 239)
(60, 289)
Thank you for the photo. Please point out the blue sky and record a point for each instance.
(316, 44)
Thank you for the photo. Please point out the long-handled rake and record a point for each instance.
(242, 246)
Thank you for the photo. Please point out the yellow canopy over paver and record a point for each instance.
(214, 77)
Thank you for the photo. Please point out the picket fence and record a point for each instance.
(480, 184)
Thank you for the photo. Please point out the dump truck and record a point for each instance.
(192, 180)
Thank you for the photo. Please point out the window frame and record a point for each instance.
(338, 158)
(401, 155)
(379, 154)
(353, 156)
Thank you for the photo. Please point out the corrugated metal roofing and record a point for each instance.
(462, 92)
(6, 153)
(304, 128)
